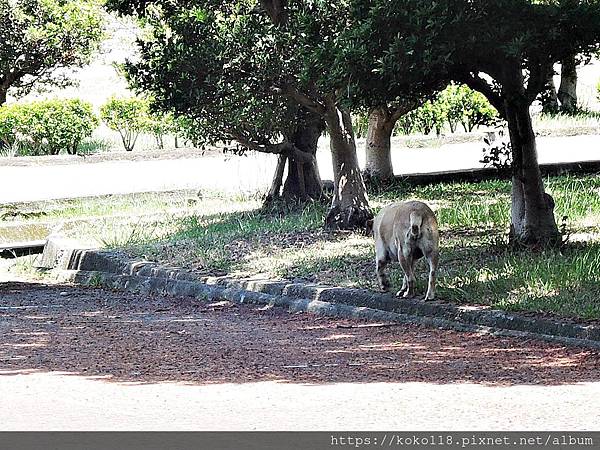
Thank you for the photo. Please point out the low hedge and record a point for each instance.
(46, 127)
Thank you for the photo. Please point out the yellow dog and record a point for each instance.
(405, 232)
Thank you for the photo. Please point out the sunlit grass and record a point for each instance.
(225, 235)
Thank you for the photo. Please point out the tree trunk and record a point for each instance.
(549, 97)
(3, 94)
(378, 145)
(567, 92)
(303, 182)
(350, 206)
(532, 214)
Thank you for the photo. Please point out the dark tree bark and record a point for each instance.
(303, 182)
(350, 206)
(549, 97)
(532, 214)
(3, 94)
(378, 145)
(532, 210)
(567, 92)
(276, 10)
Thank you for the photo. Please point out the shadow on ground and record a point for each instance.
(140, 339)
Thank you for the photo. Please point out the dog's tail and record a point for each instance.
(416, 221)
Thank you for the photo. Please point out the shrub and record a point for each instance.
(46, 127)
(161, 125)
(131, 117)
(477, 110)
(127, 116)
(407, 124)
(431, 116)
(457, 104)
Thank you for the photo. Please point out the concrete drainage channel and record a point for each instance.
(100, 268)
(17, 249)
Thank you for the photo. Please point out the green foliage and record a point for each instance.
(46, 127)
(129, 117)
(598, 90)
(463, 105)
(457, 104)
(431, 116)
(160, 125)
(360, 123)
(133, 116)
(38, 38)
(408, 123)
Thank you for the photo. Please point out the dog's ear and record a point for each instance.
(369, 228)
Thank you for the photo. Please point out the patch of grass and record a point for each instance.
(581, 118)
(234, 236)
(563, 282)
(94, 145)
(106, 206)
(25, 265)
(220, 241)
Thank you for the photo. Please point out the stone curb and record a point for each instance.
(208, 293)
(119, 272)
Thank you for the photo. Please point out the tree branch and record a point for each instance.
(538, 76)
(302, 99)
(283, 148)
(477, 83)
(400, 109)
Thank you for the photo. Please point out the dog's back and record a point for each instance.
(406, 220)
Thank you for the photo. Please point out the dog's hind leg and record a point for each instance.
(381, 262)
(433, 259)
(405, 279)
(404, 286)
(409, 276)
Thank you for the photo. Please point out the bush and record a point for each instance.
(407, 124)
(457, 104)
(131, 117)
(161, 125)
(127, 116)
(45, 127)
(476, 109)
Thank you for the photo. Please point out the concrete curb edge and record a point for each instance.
(111, 269)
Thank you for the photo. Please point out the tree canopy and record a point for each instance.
(38, 38)
(243, 70)
(249, 74)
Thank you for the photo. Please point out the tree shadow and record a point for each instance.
(132, 338)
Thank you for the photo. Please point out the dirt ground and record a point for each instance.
(154, 339)
(73, 358)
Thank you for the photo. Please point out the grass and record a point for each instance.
(582, 118)
(219, 235)
(94, 145)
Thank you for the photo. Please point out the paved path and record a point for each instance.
(249, 174)
(88, 359)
